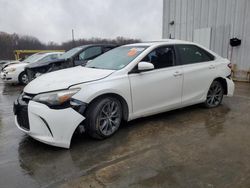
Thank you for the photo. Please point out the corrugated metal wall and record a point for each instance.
(227, 19)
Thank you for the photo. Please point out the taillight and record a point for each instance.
(230, 66)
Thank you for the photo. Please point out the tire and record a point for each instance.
(23, 78)
(214, 95)
(103, 117)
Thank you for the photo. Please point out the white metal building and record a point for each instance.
(212, 23)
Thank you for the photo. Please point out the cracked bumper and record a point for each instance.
(51, 126)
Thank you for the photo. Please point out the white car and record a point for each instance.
(2, 62)
(126, 83)
(14, 72)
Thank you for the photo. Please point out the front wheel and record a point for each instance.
(23, 78)
(103, 117)
(214, 95)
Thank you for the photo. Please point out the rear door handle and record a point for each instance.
(177, 73)
(211, 67)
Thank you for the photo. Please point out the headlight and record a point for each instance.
(57, 97)
(10, 70)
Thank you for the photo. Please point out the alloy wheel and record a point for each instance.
(109, 118)
(215, 95)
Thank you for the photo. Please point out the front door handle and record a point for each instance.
(177, 73)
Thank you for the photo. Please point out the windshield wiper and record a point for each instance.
(94, 67)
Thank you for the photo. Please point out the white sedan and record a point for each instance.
(126, 83)
(14, 72)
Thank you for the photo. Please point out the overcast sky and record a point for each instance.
(53, 20)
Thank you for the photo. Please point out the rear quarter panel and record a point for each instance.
(222, 67)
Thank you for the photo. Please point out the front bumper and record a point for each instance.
(230, 87)
(9, 77)
(51, 126)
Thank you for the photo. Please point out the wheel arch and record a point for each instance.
(125, 108)
(223, 83)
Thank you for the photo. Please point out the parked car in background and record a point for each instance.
(14, 72)
(74, 57)
(126, 83)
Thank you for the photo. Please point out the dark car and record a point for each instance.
(74, 57)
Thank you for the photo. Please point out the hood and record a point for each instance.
(43, 63)
(65, 78)
(10, 63)
(4, 62)
(15, 65)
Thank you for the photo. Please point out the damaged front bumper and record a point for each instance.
(51, 126)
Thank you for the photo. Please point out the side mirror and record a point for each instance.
(145, 66)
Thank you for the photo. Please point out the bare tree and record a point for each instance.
(11, 42)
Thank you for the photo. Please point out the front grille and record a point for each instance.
(22, 118)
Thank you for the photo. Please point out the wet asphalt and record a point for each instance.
(190, 147)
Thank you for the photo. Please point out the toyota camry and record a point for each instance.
(126, 83)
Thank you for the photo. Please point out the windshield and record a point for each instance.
(117, 58)
(47, 58)
(33, 58)
(70, 53)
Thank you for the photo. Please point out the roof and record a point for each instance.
(48, 53)
(159, 42)
(92, 45)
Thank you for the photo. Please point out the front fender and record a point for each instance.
(92, 90)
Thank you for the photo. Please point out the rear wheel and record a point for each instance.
(103, 117)
(214, 95)
(23, 78)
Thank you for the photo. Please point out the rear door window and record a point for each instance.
(190, 54)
